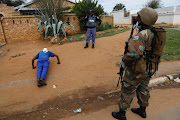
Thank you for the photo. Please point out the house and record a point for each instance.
(30, 8)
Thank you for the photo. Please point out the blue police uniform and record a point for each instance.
(43, 63)
(91, 28)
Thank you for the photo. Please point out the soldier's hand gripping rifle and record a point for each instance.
(134, 20)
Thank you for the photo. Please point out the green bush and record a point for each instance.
(83, 7)
(105, 26)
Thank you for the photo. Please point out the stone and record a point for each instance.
(177, 80)
(45, 113)
(1, 51)
(54, 40)
(116, 26)
(126, 27)
(120, 28)
(82, 37)
(100, 98)
(73, 38)
(65, 39)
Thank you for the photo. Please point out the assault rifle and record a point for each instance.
(121, 71)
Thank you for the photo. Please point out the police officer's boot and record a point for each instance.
(86, 45)
(121, 115)
(93, 46)
(140, 111)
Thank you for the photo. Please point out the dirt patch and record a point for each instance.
(90, 99)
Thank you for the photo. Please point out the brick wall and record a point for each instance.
(8, 11)
(21, 28)
(73, 19)
(2, 40)
(107, 18)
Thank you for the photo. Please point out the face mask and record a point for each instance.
(137, 25)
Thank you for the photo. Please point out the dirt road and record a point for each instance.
(81, 69)
(164, 105)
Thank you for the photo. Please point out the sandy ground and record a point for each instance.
(80, 69)
(163, 106)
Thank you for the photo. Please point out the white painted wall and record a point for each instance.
(169, 15)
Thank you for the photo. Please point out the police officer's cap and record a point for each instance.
(91, 11)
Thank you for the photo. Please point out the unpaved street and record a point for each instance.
(82, 74)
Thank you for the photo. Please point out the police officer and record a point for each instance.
(91, 28)
(134, 80)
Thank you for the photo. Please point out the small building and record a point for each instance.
(166, 15)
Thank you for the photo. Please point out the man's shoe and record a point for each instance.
(93, 46)
(86, 45)
(119, 115)
(41, 83)
(140, 111)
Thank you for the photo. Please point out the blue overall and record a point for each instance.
(43, 63)
(91, 29)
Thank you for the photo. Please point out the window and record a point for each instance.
(27, 21)
(74, 18)
(13, 22)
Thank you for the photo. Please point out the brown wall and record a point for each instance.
(107, 18)
(23, 28)
(2, 40)
(73, 19)
(20, 28)
(8, 11)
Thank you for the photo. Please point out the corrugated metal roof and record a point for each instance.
(23, 6)
(28, 8)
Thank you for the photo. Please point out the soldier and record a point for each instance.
(91, 28)
(136, 78)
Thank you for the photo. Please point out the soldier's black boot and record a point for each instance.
(86, 45)
(93, 46)
(121, 115)
(140, 111)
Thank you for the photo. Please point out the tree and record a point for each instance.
(12, 2)
(51, 7)
(154, 4)
(119, 6)
(83, 7)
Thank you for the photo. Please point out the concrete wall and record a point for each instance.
(169, 15)
(119, 17)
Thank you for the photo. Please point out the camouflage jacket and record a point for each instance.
(137, 45)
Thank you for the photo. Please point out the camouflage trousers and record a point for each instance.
(134, 83)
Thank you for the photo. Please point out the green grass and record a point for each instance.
(98, 36)
(172, 46)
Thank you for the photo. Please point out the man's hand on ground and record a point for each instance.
(34, 67)
(58, 63)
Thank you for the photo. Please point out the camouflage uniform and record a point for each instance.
(133, 81)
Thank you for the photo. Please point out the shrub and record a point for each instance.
(105, 26)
